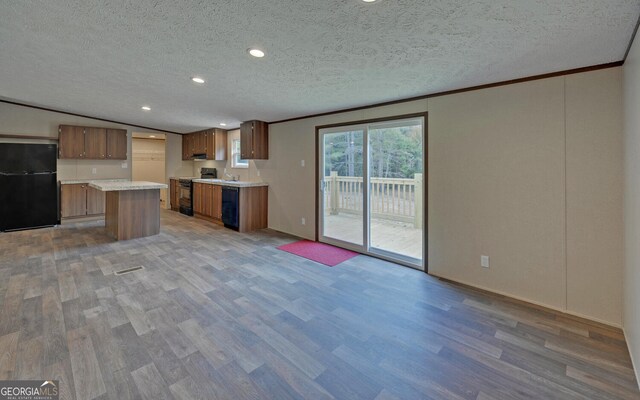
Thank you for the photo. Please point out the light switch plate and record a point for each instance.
(94, 171)
(302, 163)
(484, 261)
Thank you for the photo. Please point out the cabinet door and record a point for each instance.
(260, 150)
(95, 143)
(186, 149)
(208, 200)
(198, 198)
(95, 201)
(217, 202)
(73, 200)
(173, 194)
(116, 144)
(188, 146)
(211, 144)
(246, 140)
(200, 142)
(70, 141)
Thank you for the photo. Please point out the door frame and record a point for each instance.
(425, 182)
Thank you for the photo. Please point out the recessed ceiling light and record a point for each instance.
(152, 135)
(223, 124)
(197, 79)
(256, 53)
(146, 108)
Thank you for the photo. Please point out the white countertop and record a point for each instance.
(183, 177)
(118, 186)
(76, 181)
(222, 182)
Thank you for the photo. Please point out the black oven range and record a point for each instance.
(186, 190)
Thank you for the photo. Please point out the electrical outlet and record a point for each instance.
(484, 261)
(124, 165)
(302, 163)
(225, 170)
(303, 221)
(94, 170)
(258, 172)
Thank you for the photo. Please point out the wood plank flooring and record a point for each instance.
(216, 314)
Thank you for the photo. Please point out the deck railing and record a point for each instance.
(390, 198)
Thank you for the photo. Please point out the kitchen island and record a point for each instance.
(132, 208)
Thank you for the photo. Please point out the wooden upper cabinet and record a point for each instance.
(212, 143)
(70, 141)
(254, 140)
(186, 150)
(200, 142)
(95, 143)
(116, 144)
(217, 144)
(92, 143)
(188, 146)
(246, 140)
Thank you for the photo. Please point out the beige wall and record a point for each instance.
(632, 202)
(148, 163)
(174, 165)
(18, 120)
(594, 169)
(496, 188)
(528, 174)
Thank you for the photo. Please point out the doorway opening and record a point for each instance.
(372, 187)
(148, 161)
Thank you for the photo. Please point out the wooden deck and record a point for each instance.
(394, 236)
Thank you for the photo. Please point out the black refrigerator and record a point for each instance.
(28, 186)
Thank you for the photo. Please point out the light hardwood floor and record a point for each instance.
(219, 315)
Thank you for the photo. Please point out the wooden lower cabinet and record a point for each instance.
(73, 200)
(217, 203)
(80, 200)
(207, 201)
(252, 208)
(95, 201)
(174, 194)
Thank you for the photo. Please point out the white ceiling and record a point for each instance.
(107, 58)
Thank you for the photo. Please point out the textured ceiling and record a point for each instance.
(108, 58)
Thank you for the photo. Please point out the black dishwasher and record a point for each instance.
(230, 201)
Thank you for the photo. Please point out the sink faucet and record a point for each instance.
(231, 177)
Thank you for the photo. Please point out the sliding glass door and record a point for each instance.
(372, 196)
(342, 187)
